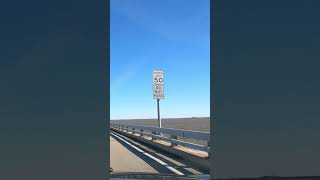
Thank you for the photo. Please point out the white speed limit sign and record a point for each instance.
(158, 83)
(157, 77)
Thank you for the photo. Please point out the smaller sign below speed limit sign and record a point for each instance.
(158, 83)
(158, 92)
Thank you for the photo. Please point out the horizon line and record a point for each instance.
(161, 118)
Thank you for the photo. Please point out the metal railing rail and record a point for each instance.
(158, 133)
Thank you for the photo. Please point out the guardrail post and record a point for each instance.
(153, 138)
(173, 137)
(208, 144)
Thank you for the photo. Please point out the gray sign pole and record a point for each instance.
(159, 118)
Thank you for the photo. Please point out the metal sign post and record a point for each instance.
(158, 91)
(159, 118)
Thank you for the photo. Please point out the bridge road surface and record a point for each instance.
(127, 155)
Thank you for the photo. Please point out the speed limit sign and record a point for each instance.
(157, 77)
(158, 83)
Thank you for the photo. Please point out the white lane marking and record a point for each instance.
(174, 170)
(129, 143)
(193, 171)
(170, 159)
(149, 155)
(156, 159)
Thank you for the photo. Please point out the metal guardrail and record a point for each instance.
(158, 133)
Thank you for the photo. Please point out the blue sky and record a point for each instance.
(172, 35)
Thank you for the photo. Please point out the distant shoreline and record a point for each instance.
(195, 123)
(161, 118)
